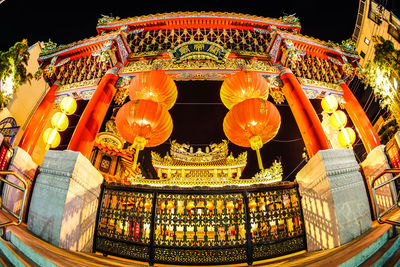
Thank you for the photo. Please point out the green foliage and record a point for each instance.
(386, 56)
(388, 130)
(383, 75)
(13, 67)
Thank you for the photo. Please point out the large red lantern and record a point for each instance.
(143, 123)
(252, 123)
(241, 86)
(154, 85)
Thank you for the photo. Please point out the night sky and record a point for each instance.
(69, 21)
(199, 124)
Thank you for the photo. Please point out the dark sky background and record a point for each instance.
(68, 21)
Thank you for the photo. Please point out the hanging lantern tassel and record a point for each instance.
(138, 144)
(256, 144)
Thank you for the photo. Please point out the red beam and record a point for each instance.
(92, 118)
(360, 120)
(306, 118)
(38, 121)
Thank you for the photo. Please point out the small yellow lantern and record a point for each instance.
(329, 103)
(210, 206)
(338, 119)
(51, 137)
(170, 205)
(347, 137)
(230, 206)
(59, 121)
(190, 205)
(147, 205)
(163, 206)
(252, 204)
(68, 105)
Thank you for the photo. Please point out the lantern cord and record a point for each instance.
(215, 103)
(135, 159)
(287, 141)
(260, 164)
(218, 103)
(287, 176)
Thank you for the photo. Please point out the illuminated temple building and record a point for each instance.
(212, 163)
(188, 205)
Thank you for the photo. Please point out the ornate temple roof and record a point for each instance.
(85, 45)
(212, 167)
(116, 30)
(194, 17)
(215, 156)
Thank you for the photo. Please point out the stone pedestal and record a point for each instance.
(21, 163)
(334, 199)
(375, 163)
(65, 201)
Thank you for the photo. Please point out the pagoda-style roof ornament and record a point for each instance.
(212, 153)
(106, 19)
(214, 166)
(183, 163)
(49, 46)
(291, 19)
(348, 45)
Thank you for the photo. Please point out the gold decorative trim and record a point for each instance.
(202, 15)
(86, 83)
(315, 83)
(168, 64)
(267, 176)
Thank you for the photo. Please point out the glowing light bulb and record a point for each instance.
(144, 121)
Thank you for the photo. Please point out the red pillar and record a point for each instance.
(93, 115)
(307, 119)
(38, 121)
(360, 120)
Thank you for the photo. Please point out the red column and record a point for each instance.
(38, 121)
(93, 115)
(307, 119)
(360, 120)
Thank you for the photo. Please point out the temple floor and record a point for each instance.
(32, 250)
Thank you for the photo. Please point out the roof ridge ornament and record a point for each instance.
(292, 19)
(107, 19)
(49, 46)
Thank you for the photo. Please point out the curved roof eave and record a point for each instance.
(191, 15)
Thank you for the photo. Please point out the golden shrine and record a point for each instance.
(211, 164)
(210, 167)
